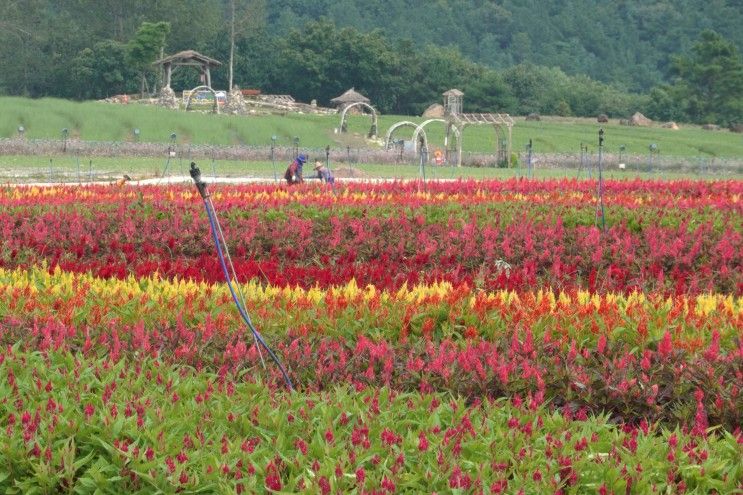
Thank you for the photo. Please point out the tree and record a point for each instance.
(101, 71)
(710, 80)
(489, 93)
(145, 47)
(244, 18)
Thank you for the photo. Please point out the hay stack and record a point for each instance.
(435, 111)
(640, 120)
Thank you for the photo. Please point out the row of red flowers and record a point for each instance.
(510, 245)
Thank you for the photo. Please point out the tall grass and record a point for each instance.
(45, 118)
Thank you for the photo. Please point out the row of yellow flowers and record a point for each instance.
(57, 282)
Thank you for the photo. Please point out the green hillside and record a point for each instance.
(93, 121)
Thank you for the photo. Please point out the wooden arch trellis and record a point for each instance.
(447, 141)
(456, 122)
(374, 126)
(398, 125)
(502, 124)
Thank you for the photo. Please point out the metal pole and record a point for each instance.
(601, 179)
(652, 149)
(180, 160)
(90, 170)
(327, 165)
(50, 170)
(171, 153)
(348, 159)
(529, 160)
(589, 164)
(273, 158)
(424, 159)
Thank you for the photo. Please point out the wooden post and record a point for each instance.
(459, 147)
(168, 71)
(509, 146)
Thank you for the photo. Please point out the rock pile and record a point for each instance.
(235, 103)
(168, 99)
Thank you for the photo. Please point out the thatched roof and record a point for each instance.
(453, 92)
(350, 96)
(187, 56)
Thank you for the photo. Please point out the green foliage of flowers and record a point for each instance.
(80, 425)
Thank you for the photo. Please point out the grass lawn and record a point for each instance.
(93, 121)
(65, 169)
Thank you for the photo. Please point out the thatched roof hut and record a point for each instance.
(349, 97)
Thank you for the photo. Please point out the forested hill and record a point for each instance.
(626, 42)
(672, 60)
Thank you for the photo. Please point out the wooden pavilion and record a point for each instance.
(188, 58)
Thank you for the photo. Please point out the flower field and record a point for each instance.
(470, 337)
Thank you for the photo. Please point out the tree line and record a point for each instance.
(86, 49)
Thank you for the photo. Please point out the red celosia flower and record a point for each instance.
(387, 484)
(673, 440)
(324, 485)
(273, 482)
(665, 346)
(301, 445)
(601, 345)
(499, 486)
(422, 442)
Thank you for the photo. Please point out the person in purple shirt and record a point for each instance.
(324, 173)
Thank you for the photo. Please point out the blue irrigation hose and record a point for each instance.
(243, 312)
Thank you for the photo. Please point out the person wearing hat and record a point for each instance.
(323, 172)
(293, 174)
